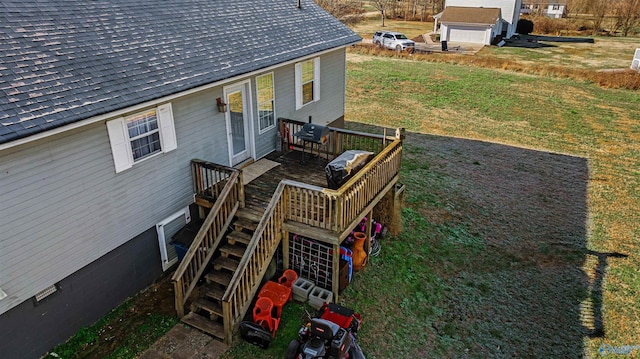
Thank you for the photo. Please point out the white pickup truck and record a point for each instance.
(394, 41)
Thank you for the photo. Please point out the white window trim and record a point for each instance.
(121, 143)
(316, 82)
(273, 83)
(164, 256)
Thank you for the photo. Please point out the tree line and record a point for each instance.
(618, 15)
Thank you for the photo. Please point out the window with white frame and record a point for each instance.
(144, 134)
(266, 98)
(141, 135)
(307, 79)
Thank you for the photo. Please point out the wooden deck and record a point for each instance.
(258, 192)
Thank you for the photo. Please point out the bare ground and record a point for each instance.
(506, 234)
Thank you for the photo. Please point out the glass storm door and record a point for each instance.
(238, 123)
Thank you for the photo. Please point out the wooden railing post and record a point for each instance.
(179, 295)
(228, 322)
(241, 190)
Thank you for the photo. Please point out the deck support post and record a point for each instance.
(335, 283)
(285, 249)
(367, 243)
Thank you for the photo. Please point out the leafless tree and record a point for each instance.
(627, 15)
(599, 9)
(382, 6)
(347, 11)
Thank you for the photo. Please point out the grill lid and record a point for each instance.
(313, 133)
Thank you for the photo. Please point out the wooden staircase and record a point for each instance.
(206, 309)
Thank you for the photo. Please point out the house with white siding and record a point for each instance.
(478, 21)
(550, 8)
(103, 106)
(470, 24)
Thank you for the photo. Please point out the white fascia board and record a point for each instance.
(469, 24)
(161, 100)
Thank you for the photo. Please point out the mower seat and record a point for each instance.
(324, 329)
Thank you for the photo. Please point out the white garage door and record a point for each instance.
(467, 34)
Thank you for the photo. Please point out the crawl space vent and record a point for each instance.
(46, 292)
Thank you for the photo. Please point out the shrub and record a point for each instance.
(544, 25)
(524, 27)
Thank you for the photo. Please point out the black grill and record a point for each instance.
(313, 133)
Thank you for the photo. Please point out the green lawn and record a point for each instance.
(504, 274)
(521, 218)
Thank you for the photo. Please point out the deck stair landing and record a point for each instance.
(206, 306)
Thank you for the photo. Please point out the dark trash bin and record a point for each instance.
(184, 237)
(345, 166)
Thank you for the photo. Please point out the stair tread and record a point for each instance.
(237, 251)
(206, 325)
(226, 263)
(212, 291)
(218, 277)
(208, 305)
(246, 223)
(250, 213)
(237, 236)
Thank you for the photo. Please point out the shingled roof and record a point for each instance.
(470, 15)
(62, 61)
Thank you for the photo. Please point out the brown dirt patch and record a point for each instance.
(127, 328)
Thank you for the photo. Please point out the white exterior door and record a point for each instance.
(238, 117)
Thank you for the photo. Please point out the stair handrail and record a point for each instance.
(228, 200)
(257, 255)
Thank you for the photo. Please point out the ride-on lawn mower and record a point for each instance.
(331, 334)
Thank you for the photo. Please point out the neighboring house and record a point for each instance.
(470, 24)
(550, 8)
(635, 62)
(509, 14)
(104, 104)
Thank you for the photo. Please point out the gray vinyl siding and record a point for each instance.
(28, 331)
(332, 87)
(62, 206)
(328, 109)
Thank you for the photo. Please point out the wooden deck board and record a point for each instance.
(258, 192)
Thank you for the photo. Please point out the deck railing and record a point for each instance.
(312, 205)
(336, 209)
(224, 185)
(340, 139)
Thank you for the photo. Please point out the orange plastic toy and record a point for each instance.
(277, 293)
(262, 315)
